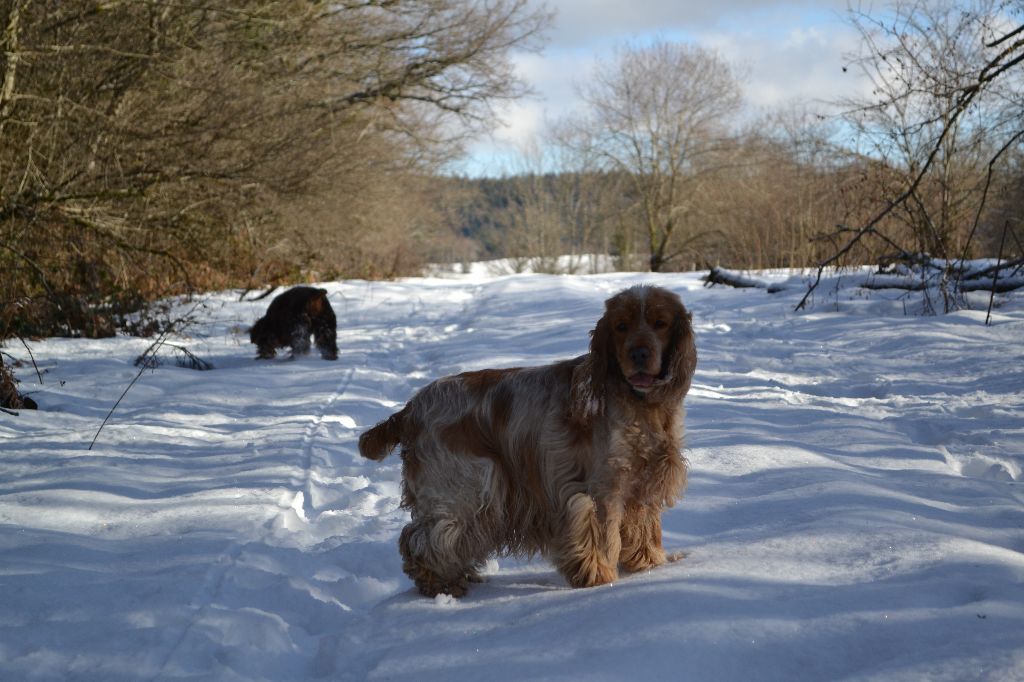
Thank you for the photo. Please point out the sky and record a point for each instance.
(787, 52)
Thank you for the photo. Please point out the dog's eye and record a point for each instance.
(660, 324)
(621, 327)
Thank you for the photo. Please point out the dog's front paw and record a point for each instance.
(590, 573)
(643, 559)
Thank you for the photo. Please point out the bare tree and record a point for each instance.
(559, 221)
(149, 146)
(788, 181)
(659, 115)
(946, 111)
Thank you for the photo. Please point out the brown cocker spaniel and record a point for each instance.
(574, 460)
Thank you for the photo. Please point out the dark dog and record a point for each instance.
(290, 320)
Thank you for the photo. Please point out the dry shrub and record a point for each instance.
(389, 225)
(10, 397)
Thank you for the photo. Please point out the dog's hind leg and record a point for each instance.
(299, 340)
(325, 335)
(434, 556)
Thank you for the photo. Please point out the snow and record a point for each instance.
(855, 508)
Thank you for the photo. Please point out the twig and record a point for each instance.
(31, 357)
(266, 293)
(38, 270)
(984, 196)
(159, 342)
(191, 361)
(995, 276)
(153, 348)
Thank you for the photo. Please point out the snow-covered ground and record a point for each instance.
(855, 508)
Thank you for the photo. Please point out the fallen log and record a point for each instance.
(737, 280)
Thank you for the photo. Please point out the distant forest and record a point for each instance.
(152, 148)
(770, 209)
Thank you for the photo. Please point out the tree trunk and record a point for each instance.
(11, 57)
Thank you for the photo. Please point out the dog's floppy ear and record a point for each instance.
(682, 359)
(590, 378)
(601, 351)
(317, 301)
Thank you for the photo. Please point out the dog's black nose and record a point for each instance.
(639, 355)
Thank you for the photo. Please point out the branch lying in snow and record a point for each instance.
(912, 273)
(1000, 286)
(921, 272)
(732, 278)
(907, 264)
(991, 271)
(189, 360)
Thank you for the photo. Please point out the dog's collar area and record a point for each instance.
(641, 395)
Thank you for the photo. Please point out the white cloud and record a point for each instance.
(787, 52)
(523, 123)
(582, 23)
(805, 64)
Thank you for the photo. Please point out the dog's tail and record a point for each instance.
(378, 442)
